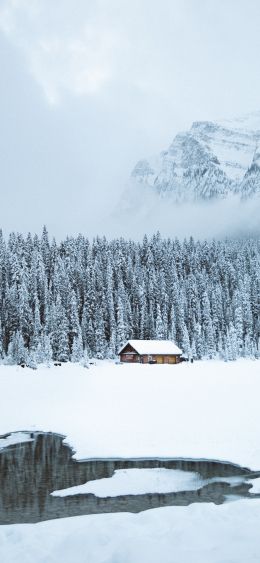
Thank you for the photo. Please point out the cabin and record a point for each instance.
(150, 352)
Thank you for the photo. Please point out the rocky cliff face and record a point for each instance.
(210, 161)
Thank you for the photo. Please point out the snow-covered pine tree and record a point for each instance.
(17, 352)
(77, 348)
(204, 294)
(59, 332)
(159, 327)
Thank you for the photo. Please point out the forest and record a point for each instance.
(79, 299)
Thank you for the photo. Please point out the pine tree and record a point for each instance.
(207, 327)
(32, 359)
(85, 360)
(1, 342)
(233, 342)
(172, 326)
(47, 353)
(185, 341)
(74, 325)
(59, 334)
(37, 327)
(238, 322)
(159, 327)
(99, 334)
(121, 328)
(203, 296)
(17, 352)
(77, 349)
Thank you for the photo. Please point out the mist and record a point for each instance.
(87, 92)
(229, 217)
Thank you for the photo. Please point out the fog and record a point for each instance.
(88, 89)
(215, 219)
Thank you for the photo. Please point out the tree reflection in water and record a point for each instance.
(30, 471)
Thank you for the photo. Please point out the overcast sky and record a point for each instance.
(88, 87)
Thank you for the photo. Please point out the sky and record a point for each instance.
(89, 88)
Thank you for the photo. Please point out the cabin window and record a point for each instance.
(129, 356)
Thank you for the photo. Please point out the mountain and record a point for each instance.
(212, 160)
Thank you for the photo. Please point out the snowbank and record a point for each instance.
(141, 481)
(200, 410)
(137, 482)
(17, 438)
(200, 533)
(256, 486)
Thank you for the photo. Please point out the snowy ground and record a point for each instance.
(137, 482)
(16, 438)
(200, 533)
(141, 481)
(204, 410)
(201, 410)
(256, 486)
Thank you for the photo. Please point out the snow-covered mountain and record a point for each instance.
(211, 160)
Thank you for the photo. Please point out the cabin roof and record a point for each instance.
(153, 347)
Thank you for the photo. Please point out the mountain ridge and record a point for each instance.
(212, 160)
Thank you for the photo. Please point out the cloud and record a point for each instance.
(79, 66)
(176, 53)
(66, 56)
(90, 87)
(213, 219)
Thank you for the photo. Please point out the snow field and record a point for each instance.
(17, 438)
(201, 410)
(256, 486)
(200, 533)
(137, 482)
(204, 410)
(141, 481)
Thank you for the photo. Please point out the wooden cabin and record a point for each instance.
(150, 351)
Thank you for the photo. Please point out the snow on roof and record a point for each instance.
(153, 347)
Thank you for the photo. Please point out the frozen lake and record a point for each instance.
(40, 464)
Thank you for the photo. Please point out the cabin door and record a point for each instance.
(159, 360)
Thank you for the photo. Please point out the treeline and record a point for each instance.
(64, 301)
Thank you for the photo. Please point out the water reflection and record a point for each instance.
(30, 471)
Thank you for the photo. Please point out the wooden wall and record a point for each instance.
(129, 355)
(133, 358)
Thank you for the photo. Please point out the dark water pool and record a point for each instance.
(30, 471)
